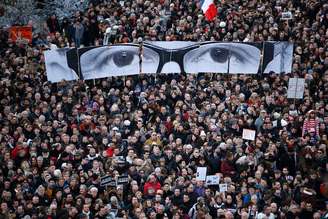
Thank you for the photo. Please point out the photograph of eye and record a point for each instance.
(219, 55)
(282, 57)
(122, 58)
(244, 58)
(57, 66)
(106, 61)
(213, 57)
(150, 61)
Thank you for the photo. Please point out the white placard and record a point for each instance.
(249, 134)
(223, 187)
(293, 112)
(296, 88)
(274, 123)
(286, 15)
(212, 180)
(201, 173)
(283, 123)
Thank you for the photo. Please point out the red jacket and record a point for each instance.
(110, 151)
(15, 151)
(227, 167)
(148, 185)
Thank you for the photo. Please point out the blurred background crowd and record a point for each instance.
(58, 140)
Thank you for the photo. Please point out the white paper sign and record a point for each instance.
(283, 123)
(249, 134)
(286, 15)
(295, 88)
(274, 123)
(212, 180)
(293, 112)
(201, 173)
(223, 187)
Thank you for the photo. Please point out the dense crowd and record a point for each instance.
(58, 140)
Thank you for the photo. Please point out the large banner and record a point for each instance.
(227, 58)
(21, 33)
(107, 61)
(279, 57)
(62, 64)
(164, 57)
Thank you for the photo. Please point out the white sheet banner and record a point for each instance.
(165, 57)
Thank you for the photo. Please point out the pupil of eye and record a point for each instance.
(219, 55)
(122, 58)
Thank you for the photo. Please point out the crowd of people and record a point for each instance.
(58, 141)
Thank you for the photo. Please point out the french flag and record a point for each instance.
(209, 9)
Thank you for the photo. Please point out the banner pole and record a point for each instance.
(262, 57)
(282, 64)
(229, 56)
(79, 70)
(295, 91)
(140, 55)
(79, 64)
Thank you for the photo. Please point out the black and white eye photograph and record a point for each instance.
(150, 60)
(215, 57)
(244, 58)
(57, 65)
(107, 61)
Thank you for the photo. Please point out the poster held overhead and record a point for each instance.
(107, 181)
(212, 180)
(296, 88)
(249, 134)
(278, 56)
(223, 187)
(244, 58)
(107, 61)
(286, 15)
(21, 33)
(201, 173)
(166, 56)
(122, 180)
(209, 57)
(221, 57)
(60, 64)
